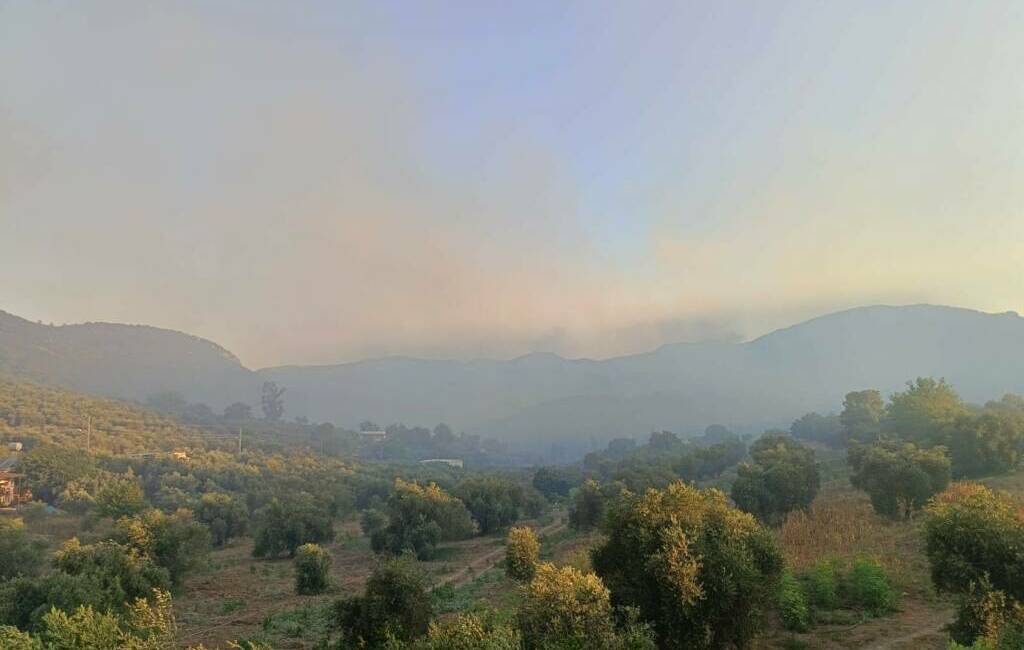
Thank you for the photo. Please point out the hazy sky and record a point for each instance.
(320, 182)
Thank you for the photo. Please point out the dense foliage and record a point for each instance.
(312, 569)
(522, 553)
(899, 477)
(974, 539)
(782, 477)
(395, 605)
(699, 571)
(419, 517)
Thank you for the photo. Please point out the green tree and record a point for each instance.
(861, 418)
(522, 553)
(566, 609)
(175, 541)
(312, 569)
(21, 554)
(974, 540)
(588, 506)
(272, 401)
(699, 571)
(986, 443)
(898, 476)
(923, 412)
(782, 478)
(826, 429)
(225, 515)
(49, 469)
(395, 604)
(119, 496)
(419, 517)
(282, 527)
(494, 503)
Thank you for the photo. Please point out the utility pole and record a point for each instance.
(239, 440)
(88, 436)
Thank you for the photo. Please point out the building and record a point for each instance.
(12, 485)
(452, 462)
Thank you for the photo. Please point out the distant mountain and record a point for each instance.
(124, 361)
(544, 399)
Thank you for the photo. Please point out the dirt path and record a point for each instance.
(484, 562)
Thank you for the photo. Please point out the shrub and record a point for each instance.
(522, 552)
(175, 541)
(869, 588)
(225, 515)
(493, 502)
(974, 539)
(823, 586)
(312, 569)
(793, 609)
(699, 571)
(469, 632)
(119, 496)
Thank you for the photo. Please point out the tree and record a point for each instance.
(564, 608)
(175, 541)
(985, 443)
(554, 482)
(782, 478)
(861, 418)
(419, 517)
(282, 527)
(974, 540)
(522, 553)
(49, 470)
(116, 574)
(588, 506)
(224, 514)
(395, 604)
(826, 429)
(663, 440)
(272, 400)
(119, 496)
(921, 413)
(238, 412)
(493, 502)
(21, 554)
(899, 477)
(699, 571)
(312, 569)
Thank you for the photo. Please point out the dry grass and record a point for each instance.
(841, 525)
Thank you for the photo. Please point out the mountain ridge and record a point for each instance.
(543, 398)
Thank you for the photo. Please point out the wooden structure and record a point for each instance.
(12, 485)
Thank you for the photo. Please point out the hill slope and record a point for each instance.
(542, 399)
(125, 361)
(765, 382)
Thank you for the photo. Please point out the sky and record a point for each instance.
(320, 182)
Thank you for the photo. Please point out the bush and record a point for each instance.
(522, 552)
(175, 541)
(225, 515)
(119, 496)
(312, 569)
(974, 539)
(793, 609)
(469, 632)
(823, 586)
(493, 502)
(869, 588)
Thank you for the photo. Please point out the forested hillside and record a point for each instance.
(126, 361)
(49, 416)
